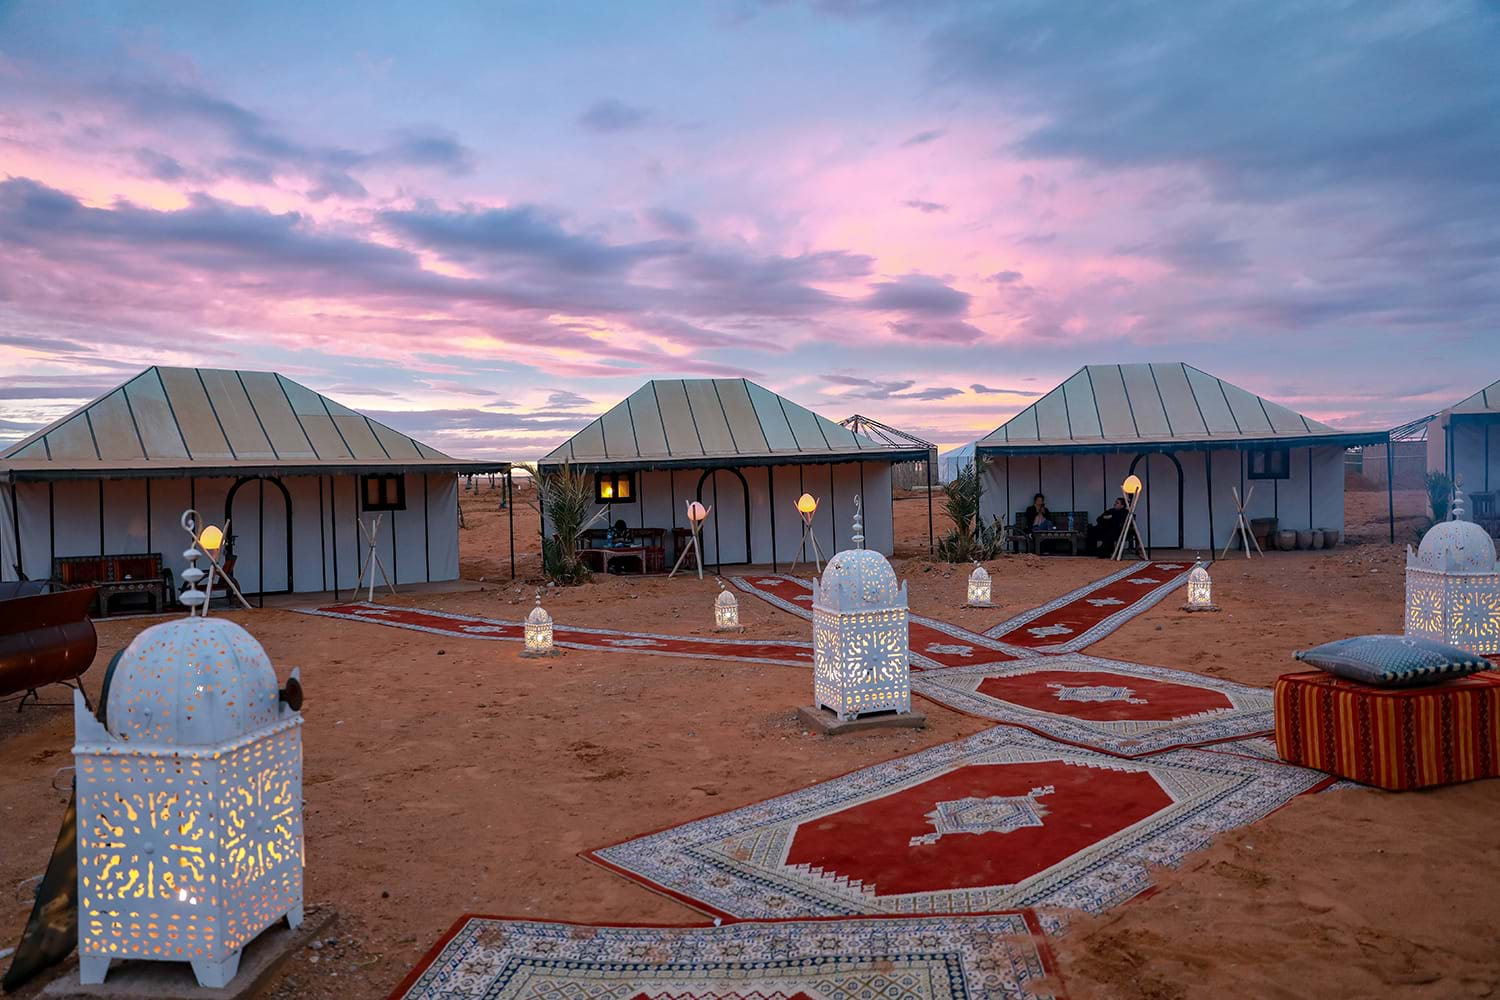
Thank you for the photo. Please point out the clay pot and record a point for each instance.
(1264, 529)
(1286, 541)
(1304, 540)
(1317, 538)
(1330, 538)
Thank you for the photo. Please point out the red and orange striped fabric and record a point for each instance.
(1393, 738)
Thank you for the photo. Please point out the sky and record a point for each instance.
(486, 223)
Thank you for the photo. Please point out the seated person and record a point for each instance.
(619, 535)
(1104, 533)
(1038, 517)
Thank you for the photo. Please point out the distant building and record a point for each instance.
(1464, 440)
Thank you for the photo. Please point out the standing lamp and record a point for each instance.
(1132, 488)
(208, 544)
(696, 515)
(1200, 590)
(979, 588)
(807, 508)
(726, 611)
(1453, 585)
(538, 631)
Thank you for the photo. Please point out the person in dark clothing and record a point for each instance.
(1104, 532)
(1038, 517)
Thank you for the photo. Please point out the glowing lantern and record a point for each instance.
(1453, 585)
(189, 803)
(1131, 486)
(861, 657)
(726, 611)
(1129, 533)
(697, 513)
(211, 539)
(538, 631)
(1200, 589)
(979, 588)
(807, 505)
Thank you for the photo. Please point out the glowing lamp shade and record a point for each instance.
(1131, 486)
(979, 588)
(1453, 586)
(1200, 589)
(538, 631)
(807, 504)
(696, 512)
(726, 611)
(211, 539)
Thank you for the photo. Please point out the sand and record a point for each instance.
(446, 776)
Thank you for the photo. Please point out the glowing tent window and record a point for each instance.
(383, 492)
(614, 487)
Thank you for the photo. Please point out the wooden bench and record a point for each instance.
(131, 581)
(1070, 527)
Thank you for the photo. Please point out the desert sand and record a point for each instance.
(446, 776)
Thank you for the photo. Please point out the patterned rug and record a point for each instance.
(992, 957)
(1000, 820)
(1264, 748)
(1086, 615)
(934, 643)
(798, 654)
(1119, 708)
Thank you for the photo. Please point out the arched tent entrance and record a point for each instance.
(260, 539)
(1160, 516)
(728, 493)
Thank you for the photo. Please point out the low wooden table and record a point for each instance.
(605, 555)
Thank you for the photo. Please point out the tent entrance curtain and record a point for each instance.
(258, 510)
(726, 536)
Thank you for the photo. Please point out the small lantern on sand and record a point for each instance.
(1200, 589)
(539, 631)
(726, 611)
(979, 588)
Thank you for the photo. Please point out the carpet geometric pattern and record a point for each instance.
(1088, 614)
(934, 644)
(991, 957)
(1000, 820)
(1125, 709)
(796, 654)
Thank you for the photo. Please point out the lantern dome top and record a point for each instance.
(859, 579)
(1456, 547)
(192, 682)
(538, 615)
(725, 599)
(1199, 573)
(980, 574)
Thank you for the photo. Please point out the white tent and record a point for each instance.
(748, 453)
(950, 463)
(1464, 440)
(292, 470)
(1188, 435)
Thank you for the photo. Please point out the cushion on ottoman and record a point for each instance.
(1394, 660)
(1393, 738)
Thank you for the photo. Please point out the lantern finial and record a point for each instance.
(859, 523)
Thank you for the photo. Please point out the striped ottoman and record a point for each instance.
(1393, 738)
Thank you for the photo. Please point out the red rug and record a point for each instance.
(571, 637)
(934, 643)
(1119, 708)
(1000, 820)
(1000, 956)
(1090, 613)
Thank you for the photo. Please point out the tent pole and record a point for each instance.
(15, 530)
(260, 531)
(770, 502)
(510, 512)
(1390, 488)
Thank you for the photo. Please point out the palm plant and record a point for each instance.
(564, 499)
(970, 538)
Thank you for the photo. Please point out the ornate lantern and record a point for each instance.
(726, 611)
(1453, 585)
(979, 588)
(539, 631)
(861, 662)
(1200, 589)
(189, 803)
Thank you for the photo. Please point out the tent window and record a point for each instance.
(614, 487)
(383, 492)
(1270, 463)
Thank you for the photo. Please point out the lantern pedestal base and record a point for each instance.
(979, 604)
(821, 720)
(729, 628)
(259, 962)
(538, 654)
(1210, 607)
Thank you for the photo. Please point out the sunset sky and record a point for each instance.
(485, 223)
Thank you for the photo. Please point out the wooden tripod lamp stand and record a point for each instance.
(807, 509)
(1133, 488)
(696, 514)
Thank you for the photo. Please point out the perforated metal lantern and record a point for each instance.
(979, 588)
(726, 611)
(861, 653)
(189, 803)
(538, 631)
(1200, 589)
(1453, 586)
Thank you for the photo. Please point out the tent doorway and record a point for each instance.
(260, 541)
(728, 492)
(1161, 519)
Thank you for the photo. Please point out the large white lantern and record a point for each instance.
(538, 631)
(1200, 589)
(189, 803)
(1453, 586)
(979, 588)
(861, 662)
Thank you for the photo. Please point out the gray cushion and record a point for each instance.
(1394, 660)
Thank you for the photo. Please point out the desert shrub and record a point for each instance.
(970, 539)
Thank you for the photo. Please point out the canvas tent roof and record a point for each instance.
(1486, 400)
(200, 421)
(1103, 408)
(722, 421)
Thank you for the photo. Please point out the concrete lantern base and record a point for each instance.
(821, 720)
